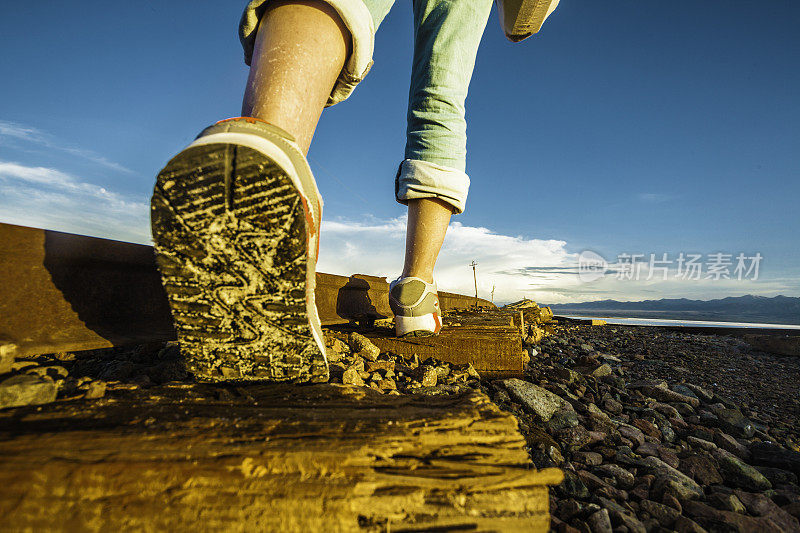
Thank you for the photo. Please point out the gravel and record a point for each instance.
(680, 435)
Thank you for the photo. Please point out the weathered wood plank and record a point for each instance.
(494, 351)
(268, 458)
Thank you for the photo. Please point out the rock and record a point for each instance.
(26, 389)
(612, 506)
(599, 522)
(6, 361)
(631, 522)
(648, 428)
(612, 406)
(734, 422)
(671, 501)
(730, 444)
(363, 347)
(632, 433)
(588, 458)
(668, 456)
(683, 389)
(665, 515)
(669, 479)
(573, 486)
(602, 370)
(778, 476)
(704, 395)
(590, 480)
(597, 436)
(701, 469)
(640, 491)
(352, 376)
(624, 455)
(769, 454)
(94, 390)
(793, 509)
(339, 347)
(567, 508)
(726, 502)
(678, 424)
(430, 377)
(573, 438)
(566, 374)
(701, 444)
(684, 409)
(730, 520)
(539, 401)
(374, 366)
(687, 525)
(726, 402)
(623, 478)
(648, 449)
(667, 410)
(666, 395)
(565, 417)
(761, 505)
(739, 473)
(702, 433)
(387, 384)
(601, 419)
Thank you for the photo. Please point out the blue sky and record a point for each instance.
(623, 127)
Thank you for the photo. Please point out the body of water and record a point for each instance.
(692, 323)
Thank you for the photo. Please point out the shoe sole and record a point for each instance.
(230, 236)
(522, 18)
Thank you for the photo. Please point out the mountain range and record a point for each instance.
(750, 308)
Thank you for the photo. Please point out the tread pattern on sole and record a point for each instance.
(230, 241)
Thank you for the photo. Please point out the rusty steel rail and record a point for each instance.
(65, 292)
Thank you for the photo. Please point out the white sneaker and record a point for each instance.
(415, 305)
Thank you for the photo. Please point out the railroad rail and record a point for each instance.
(64, 292)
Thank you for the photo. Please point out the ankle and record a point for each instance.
(427, 277)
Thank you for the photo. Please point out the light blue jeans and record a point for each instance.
(446, 38)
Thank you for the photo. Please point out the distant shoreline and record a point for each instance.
(639, 321)
(690, 317)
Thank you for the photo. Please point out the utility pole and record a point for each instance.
(492, 292)
(475, 278)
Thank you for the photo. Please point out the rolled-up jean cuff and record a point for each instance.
(420, 179)
(356, 17)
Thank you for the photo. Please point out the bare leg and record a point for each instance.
(428, 219)
(300, 50)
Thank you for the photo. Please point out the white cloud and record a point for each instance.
(543, 270)
(48, 198)
(16, 131)
(377, 247)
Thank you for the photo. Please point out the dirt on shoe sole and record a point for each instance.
(230, 238)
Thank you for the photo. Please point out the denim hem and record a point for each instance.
(358, 19)
(421, 179)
